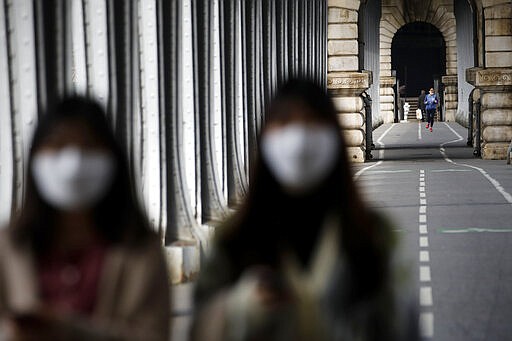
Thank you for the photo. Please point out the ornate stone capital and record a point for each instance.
(490, 78)
(348, 83)
(387, 81)
(449, 80)
(471, 74)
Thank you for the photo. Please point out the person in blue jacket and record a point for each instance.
(431, 102)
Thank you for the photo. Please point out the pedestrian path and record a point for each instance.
(454, 217)
(414, 141)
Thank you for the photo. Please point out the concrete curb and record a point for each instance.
(183, 262)
(184, 258)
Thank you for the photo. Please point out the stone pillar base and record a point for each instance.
(450, 97)
(355, 154)
(495, 86)
(387, 99)
(495, 151)
(346, 89)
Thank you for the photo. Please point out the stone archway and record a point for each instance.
(418, 56)
(491, 76)
(396, 14)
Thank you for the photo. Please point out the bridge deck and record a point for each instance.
(454, 216)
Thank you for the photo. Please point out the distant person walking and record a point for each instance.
(431, 102)
(421, 104)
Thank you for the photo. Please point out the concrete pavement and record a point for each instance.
(454, 216)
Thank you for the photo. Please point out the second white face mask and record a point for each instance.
(71, 178)
(300, 157)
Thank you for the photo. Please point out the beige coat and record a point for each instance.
(133, 295)
(224, 306)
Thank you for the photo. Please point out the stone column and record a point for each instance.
(450, 97)
(495, 87)
(346, 89)
(387, 99)
(494, 79)
(344, 81)
(391, 20)
(498, 33)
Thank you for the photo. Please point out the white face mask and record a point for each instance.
(71, 178)
(300, 157)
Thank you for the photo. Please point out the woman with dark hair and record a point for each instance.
(80, 261)
(302, 222)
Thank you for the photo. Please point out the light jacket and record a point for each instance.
(133, 296)
(392, 306)
(431, 101)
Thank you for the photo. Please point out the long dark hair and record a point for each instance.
(270, 219)
(118, 217)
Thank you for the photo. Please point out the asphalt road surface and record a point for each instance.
(454, 215)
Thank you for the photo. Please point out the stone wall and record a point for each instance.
(465, 57)
(450, 97)
(493, 77)
(498, 33)
(387, 98)
(397, 13)
(344, 81)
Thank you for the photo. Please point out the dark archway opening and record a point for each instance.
(418, 54)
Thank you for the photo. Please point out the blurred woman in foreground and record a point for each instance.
(80, 262)
(304, 258)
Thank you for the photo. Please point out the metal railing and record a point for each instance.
(470, 119)
(477, 152)
(508, 153)
(369, 126)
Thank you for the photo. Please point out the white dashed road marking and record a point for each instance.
(423, 229)
(427, 324)
(426, 318)
(424, 256)
(423, 241)
(425, 274)
(426, 299)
